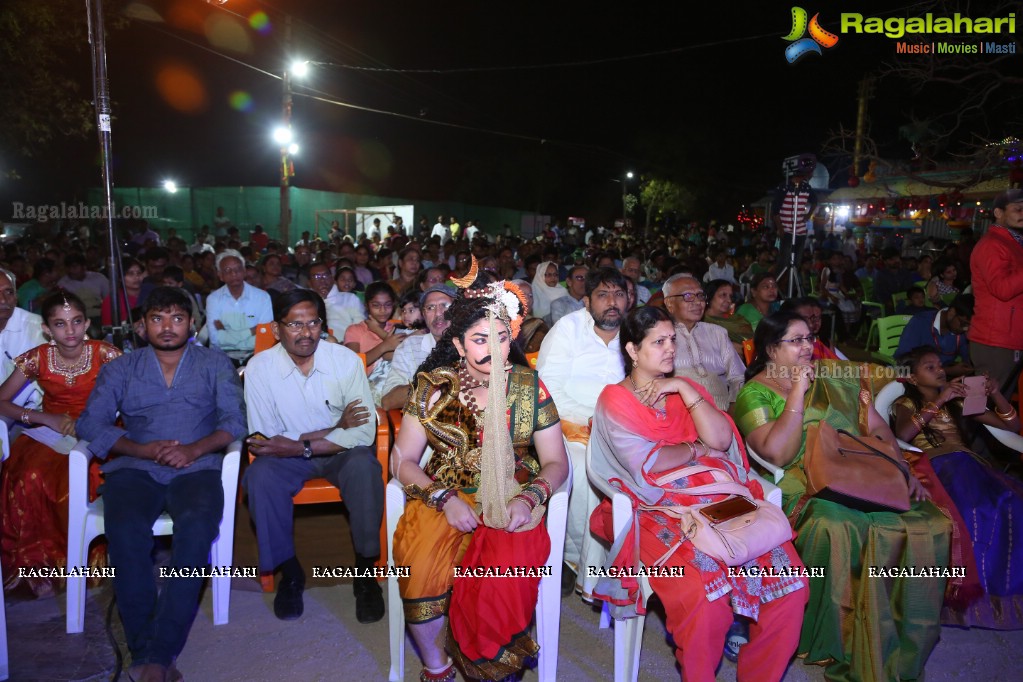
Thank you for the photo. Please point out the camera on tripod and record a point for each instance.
(802, 165)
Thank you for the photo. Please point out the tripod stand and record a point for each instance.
(790, 268)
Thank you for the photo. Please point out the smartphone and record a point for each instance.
(256, 435)
(975, 401)
(728, 509)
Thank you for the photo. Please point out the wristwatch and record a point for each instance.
(307, 450)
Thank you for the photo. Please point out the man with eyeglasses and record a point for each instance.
(410, 354)
(579, 357)
(310, 416)
(343, 308)
(235, 310)
(703, 352)
(576, 282)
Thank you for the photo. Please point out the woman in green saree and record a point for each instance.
(861, 623)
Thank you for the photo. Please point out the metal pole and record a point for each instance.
(285, 155)
(101, 95)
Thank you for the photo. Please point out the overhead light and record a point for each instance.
(282, 135)
(170, 186)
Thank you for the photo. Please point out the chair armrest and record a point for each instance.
(772, 493)
(78, 478)
(1011, 440)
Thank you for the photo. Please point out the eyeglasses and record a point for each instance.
(441, 307)
(690, 296)
(311, 325)
(809, 339)
(323, 276)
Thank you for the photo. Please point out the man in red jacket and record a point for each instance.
(996, 331)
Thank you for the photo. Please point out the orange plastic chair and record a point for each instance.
(748, 351)
(531, 358)
(320, 490)
(264, 338)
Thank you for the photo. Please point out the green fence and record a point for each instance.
(191, 207)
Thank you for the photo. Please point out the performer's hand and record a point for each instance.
(519, 512)
(354, 415)
(278, 446)
(460, 515)
(917, 491)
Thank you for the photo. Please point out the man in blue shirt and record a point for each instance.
(181, 406)
(944, 329)
(235, 310)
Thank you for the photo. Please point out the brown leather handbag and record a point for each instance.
(862, 473)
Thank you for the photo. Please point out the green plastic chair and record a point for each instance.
(948, 298)
(871, 308)
(889, 330)
(900, 297)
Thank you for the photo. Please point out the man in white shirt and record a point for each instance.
(343, 308)
(20, 331)
(470, 230)
(632, 268)
(578, 358)
(235, 310)
(576, 282)
(434, 303)
(703, 352)
(308, 408)
(441, 230)
(720, 269)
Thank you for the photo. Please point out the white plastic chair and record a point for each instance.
(894, 390)
(548, 603)
(86, 522)
(629, 632)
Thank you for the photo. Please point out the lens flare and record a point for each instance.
(240, 101)
(259, 21)
(181, 88)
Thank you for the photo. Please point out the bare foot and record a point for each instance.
(148, 672)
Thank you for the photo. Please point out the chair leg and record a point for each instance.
(548, 624)
(77, 555)
(395, 505)
(628, 643)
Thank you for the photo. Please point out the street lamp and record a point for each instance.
(625, 194)
(170, 186)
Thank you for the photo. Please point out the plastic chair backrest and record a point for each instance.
(749, 351)
(889, 329)
(264, 338)
(868, 288)
(531, 358)
(899, 297)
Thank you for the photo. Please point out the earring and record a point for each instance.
(53, 342)
(461, 361)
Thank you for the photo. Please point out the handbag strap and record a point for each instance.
(725, 487)
(874, 452)
(864, 397)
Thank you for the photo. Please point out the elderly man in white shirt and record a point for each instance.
(20, 331)
(441, 230)
(579, 357)
(310, 412)
(703, 352)
(235, 310)
(434, 303)
(343, 308)
(720, 268)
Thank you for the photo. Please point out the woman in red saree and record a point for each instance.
(478, 503)
(34, 481)
(653, 437)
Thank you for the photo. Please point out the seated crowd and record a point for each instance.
(676, 366)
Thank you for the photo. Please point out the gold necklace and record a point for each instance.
(71, 371)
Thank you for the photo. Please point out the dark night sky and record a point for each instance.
(727, 110)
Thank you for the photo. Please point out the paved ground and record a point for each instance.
(327, 643)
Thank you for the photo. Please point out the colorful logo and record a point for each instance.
(802, 46)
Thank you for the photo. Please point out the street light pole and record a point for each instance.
(101, 94)
(286, 163)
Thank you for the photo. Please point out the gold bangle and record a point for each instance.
(696, 404)
(1008, 416)
(793, 411)
(918, 421)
